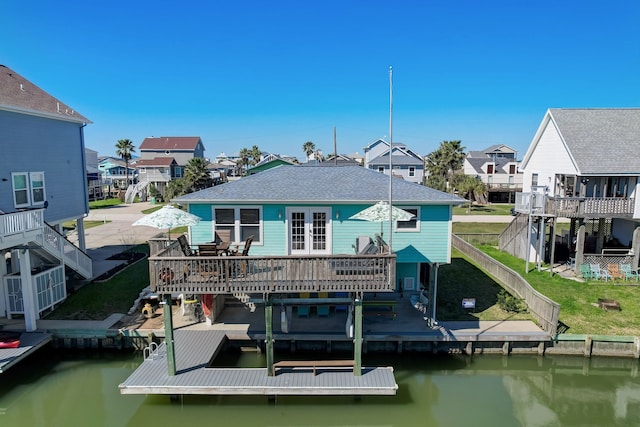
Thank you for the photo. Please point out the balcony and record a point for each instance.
(575, 207)
(170, 272)
(20, 227)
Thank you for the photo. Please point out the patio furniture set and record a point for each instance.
(613, 271)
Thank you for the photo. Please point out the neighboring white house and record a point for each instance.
(584, 164)
(497, 167)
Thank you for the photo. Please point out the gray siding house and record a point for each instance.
(43, 183)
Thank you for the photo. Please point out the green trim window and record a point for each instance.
(28, 189)
(241, 222)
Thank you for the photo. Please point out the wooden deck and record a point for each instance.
(171, 272)
(195, 349)
(30, 342)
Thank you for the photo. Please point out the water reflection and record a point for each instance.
(68, 389)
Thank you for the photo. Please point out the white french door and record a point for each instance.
(309, 231)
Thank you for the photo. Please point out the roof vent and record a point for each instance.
(21, 87)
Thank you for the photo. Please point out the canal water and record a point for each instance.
(56, 388)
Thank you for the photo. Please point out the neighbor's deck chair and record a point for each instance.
(629, 272)
(598, 272)
(585, 271)
(614, 271)
(303, 310)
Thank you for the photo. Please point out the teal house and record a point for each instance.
(307, 210)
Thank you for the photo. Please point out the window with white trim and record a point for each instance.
(381, 169)
(411, 225)
(241, 222)
(28, 189)
(412, 171)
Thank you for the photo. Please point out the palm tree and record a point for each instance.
(256, 155)
(469, 187)
(197, 175)
(243, 160)
(124, 149)
(175, 188)
(308, 148)
(446, 160)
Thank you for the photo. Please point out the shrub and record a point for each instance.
(511, 304)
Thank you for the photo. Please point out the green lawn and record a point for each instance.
(578, 300)
(96, 301)
(490, 209)
(107, 203)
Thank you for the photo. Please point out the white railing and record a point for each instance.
(20, 227)
(58, 245)
(49, 289)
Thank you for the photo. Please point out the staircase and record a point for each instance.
(59, 246)
(513, 239)
(135, 190)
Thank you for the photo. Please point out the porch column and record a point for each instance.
(580, 241)
(635, 246)
(82, 244)
(268, 340)
(433, 295)
(168, 333)
(29, 303)
(357, 338)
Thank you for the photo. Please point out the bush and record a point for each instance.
(511, 304)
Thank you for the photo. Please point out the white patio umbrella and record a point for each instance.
(380, 213)
(168, 217)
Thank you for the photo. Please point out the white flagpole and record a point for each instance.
(390, 155)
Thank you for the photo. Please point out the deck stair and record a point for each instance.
(514, 238)
(59, 246)
(241, 298)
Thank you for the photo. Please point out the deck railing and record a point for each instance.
(575, 207)
(170, 272)
(20, 227)
(59, 246)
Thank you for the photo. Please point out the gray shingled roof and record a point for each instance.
(319, 184)
(602, 141)
(19, 94)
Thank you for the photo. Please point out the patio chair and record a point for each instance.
(614, 271)
(585, 271)
(245, 252)
(223, 241)
(184, 246)
(599, 273)
(629, 272)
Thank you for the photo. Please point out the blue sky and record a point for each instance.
(277, 74)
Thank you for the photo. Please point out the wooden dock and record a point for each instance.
(30, 342)
(195, 349)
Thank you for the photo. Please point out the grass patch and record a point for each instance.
(578, 300)
(475, 227)
(97, 301)
(71, 225)
(462, 279)
(106, 203)
(492, 209)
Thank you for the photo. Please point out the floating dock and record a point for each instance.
(30, 342)
(196, 349)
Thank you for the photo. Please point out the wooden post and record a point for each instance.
(357, 338)
(168, 333)
(268, 343)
